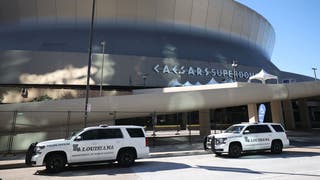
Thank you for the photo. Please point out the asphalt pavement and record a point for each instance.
(165, 144)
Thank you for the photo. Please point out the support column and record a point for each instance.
(252, 113)
(204, 121)
(288, 115)
(276, 112)
(184, 120)
(304, 114)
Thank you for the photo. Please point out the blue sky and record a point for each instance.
(297, 27)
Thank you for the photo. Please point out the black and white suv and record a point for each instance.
(239, 138)
(102, 143)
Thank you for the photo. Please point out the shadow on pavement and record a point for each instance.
(229, 169)
(269, 155)
(245, 170)
(13, 166)
(114, 169)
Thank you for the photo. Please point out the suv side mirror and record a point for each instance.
(78, 138)
(246, 132)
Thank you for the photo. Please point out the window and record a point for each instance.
(109, 133)
(263, 129)
(258, 129)
(286, 81)
(90, 135)
(234, 129)
(277, 128)
(135, 132)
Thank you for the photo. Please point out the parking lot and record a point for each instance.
(189, 161)
(293, 163)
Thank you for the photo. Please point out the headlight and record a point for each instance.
(221, 140)
(39, 149)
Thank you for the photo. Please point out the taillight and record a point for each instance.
(147, 142)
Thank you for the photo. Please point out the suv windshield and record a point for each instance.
(73, 134)
(234, 129)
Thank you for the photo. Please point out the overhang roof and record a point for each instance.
(143, 103)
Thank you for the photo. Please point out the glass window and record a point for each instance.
(90, 135)
(263, 129)
(109, 133)
(234, 129)
(135, 132)
(258, 129)
(286, 81)
(277, 128)
(251, 129)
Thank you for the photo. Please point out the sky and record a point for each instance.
(297, 27)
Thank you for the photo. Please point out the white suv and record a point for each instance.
(102, 143)
(248, 137)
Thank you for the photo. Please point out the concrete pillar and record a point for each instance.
(288, 115)
(184, 120)
(204, 121)
(304, 114)
(276, 112)
(252, 113)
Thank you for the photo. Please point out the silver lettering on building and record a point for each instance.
(198, 71)
(191, 71)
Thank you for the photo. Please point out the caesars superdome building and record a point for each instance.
(151, 45)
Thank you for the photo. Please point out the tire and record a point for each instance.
(235, 150)
(276, 147)
(55, 163)
(126, 158)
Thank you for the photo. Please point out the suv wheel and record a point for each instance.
(235, 150)
(276, 147)
(55, 163)
(126, 158)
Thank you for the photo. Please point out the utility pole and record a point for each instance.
(103, 43)
(89, 64)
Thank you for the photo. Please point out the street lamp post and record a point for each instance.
(103, 43)
(144, 77)
(234, 65)
(89, 64)
(315, 73)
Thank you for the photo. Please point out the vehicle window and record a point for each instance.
(135, 132)
(90, 135)
(258, 129)
(277, 128)
(263, 129)
(252, 129)
(109, 133)
(234, 129)
(73, 134)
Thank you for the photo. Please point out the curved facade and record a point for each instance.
(148, 42)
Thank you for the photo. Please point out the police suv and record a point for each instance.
(239, 138)
(123, 144)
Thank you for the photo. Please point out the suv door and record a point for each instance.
(257, 137)
(110, 141)
(83, 145)
(96, 145)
